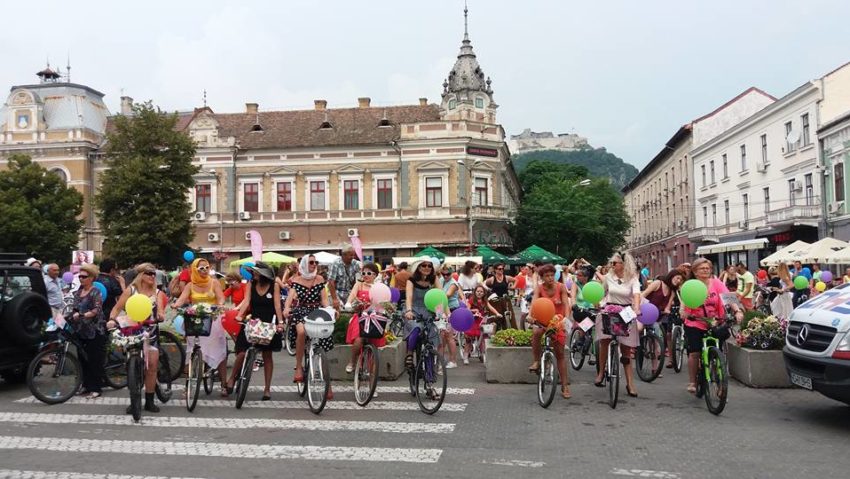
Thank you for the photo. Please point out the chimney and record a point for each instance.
(252, 108)
(320, 104)
(126, 106)
(364, 102)
(423, 102)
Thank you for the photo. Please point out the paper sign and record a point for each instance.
(628, 315)
(586, 324)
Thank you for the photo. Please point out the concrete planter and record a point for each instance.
(756, 368)
(508, 364)
(391, 357)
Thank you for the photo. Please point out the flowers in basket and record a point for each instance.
(764, 333)
(557, 324)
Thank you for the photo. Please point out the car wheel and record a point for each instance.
(24, 315)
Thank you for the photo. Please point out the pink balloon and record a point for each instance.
(380, 293)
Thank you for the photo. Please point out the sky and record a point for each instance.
(623, 73)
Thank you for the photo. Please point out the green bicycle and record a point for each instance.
(713, 373)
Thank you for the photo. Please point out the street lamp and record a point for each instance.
(468, 195)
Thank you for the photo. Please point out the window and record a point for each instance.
(433, 192)
(766, 200)
(810, 189)
(725, 167)
(480, 198)
(791, 199)
(705, 215)
(789, 146)
(726, 210)
(702, 168)
(203, 198)
(452, 104)
(284, 196)
(351, 194)
(479, 103)
(764, 149)
(714, 214)
(385, 194)
(61, 174)
(743, 157)
(251, 197)
(746, 200)
(838, 175)
(317, 195)
(805, 122)
(711, 167)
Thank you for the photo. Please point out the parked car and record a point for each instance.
(23, 313)
(817, 344)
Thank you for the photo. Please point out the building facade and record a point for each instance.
(529, 141)
(834, 145)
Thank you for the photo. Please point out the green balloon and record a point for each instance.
(593, 292)
(694, 292)
(800, 282)
(436, 297)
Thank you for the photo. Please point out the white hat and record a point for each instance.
(30, 261)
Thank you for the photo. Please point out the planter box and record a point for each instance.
(391, 357)
(508, 364)
(756, 368)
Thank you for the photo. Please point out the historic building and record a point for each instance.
(834, 144)
(529, 141)
(660, 198)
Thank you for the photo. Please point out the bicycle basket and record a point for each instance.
(488, 328)
(441, 325)
(372, 325)
(319, 324)
(127, 337)
(613, 325)
(198, 326)
(257, 331)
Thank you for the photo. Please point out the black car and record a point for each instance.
(23, 312)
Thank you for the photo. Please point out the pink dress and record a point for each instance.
(353, 331)
(712, 308)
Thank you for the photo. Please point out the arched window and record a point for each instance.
(61, 174)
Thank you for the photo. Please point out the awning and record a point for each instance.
(744, 245)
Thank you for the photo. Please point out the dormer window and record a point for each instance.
(452, 104)
(384, 122)
(326, 124)
(479, 103)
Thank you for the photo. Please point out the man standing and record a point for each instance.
(745, 286)
(401, 278)
(113, 282)
(342, 275)
(54, 289)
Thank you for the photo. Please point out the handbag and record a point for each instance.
(372, 325)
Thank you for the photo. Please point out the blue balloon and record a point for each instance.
(102, 289)
(645, 272)
(249, 265)
(558, 275)
(177, 324)
(188, 256)
(245, 273)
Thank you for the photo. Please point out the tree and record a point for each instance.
(141, 202)
(40, 214)
(571, 220)
(598, 161)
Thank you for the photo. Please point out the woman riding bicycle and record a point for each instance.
(202, 289)
(699, 320)
(622, 288)
(481, 308)
(452, 290)
(557, 293)
(499, 284)
(308, 289)
(264, 303)
(145, 283)
(360, 294)
(661, 293)
(421, 281)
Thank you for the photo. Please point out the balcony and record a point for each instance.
(498, 212)
(796, 214)
(705, 233)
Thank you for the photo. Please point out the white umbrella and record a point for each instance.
(820, 251)
(840, 257)
(785, 255)
(323, 257)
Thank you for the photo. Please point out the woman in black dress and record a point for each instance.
(264, 302)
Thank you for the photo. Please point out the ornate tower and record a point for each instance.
(466, 92)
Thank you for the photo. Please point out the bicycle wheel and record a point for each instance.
(547, 379)
(135, 380)
(613, 374)
(194, 380)
(208, 379)
(576, 351)
(290, 348)
(318, 382)
(430, 386)
(678, 352)
(54, 376)
(649, 357)
(115, 368)
(173, 345)
(163, 377)
(717, 382)
(366, 374)
(302, 386)
(245, 376)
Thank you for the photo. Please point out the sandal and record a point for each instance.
(565, 392)
(299, 378)
(692, 388)
(349, 368)
(266, 397)
(330, 394)
(408, 361)
(534, 368)
(600, 383)
(93, 395)
(630, 393)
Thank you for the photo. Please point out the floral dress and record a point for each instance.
(309, 299)
(88, 328)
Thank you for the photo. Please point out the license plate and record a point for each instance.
(801, 381)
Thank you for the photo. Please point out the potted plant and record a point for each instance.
(508, 355)
(755, 358)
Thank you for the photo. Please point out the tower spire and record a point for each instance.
(465, 21)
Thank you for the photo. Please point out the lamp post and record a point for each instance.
(468, 195)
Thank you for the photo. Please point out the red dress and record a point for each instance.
(560, 308)
(353, 331)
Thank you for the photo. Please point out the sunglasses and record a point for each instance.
(149, 273)
(203, 268)
(446, 273)
(426, 266)
(500, 269)
(83, 276)
(368, 273)
(312, 262)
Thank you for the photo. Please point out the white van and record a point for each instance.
(817, 344)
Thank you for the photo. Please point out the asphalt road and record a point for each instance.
(483, 430)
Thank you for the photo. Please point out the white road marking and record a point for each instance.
(237, 451)
(228, 423)
(349, 389)
(514, 462)
(19, 474)
(338, 405)
(645, 473)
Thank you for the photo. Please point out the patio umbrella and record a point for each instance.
(820, 251)
(274, 259)
(784, 255)
(431, 252)
(490, 256)
(323, 257)
(536, 253)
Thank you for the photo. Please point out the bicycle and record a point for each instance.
(487, 328)
(713, 372)
(368, 361)
(423, 378)
(547, 375)
(677, 338)
(135, 341)
(290, 349)
(199, 326)
(761, 300)
(583, 345)
(507, 320)
(211, 374)
(615, 327)
(649, 355)
(319, 324)
(256, 332)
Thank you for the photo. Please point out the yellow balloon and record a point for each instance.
(820, 286)
(138, 307)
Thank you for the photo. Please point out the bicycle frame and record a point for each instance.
(708, 342)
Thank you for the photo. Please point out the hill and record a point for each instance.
(598, 162)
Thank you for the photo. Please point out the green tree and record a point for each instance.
(141, 202)
(598, 161)
(564, 217)
(40, 214)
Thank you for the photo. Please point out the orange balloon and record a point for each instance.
(542, 310)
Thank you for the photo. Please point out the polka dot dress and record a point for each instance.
(309, 299)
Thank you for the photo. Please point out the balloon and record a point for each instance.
(800, 282)
(694, 293)
(645, 272)
(648, 314)
(762, 274)
(435, 297)
(229, 323)
(542, 310)
(188, 256)
(569, 284)
(101, 288)
(826, 276)
(177, 324)
(806, 269)
(380, 293)
(248, 265)
(455, 276)
(245, 273)
(68, 277)
(138, 307)
(395, 295)
(593, 292)
(558, 275)
(820, 286)
(806, 273)
(461, 319)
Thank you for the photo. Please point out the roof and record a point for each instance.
(733, 100)
(840, 119)
(67, 106)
